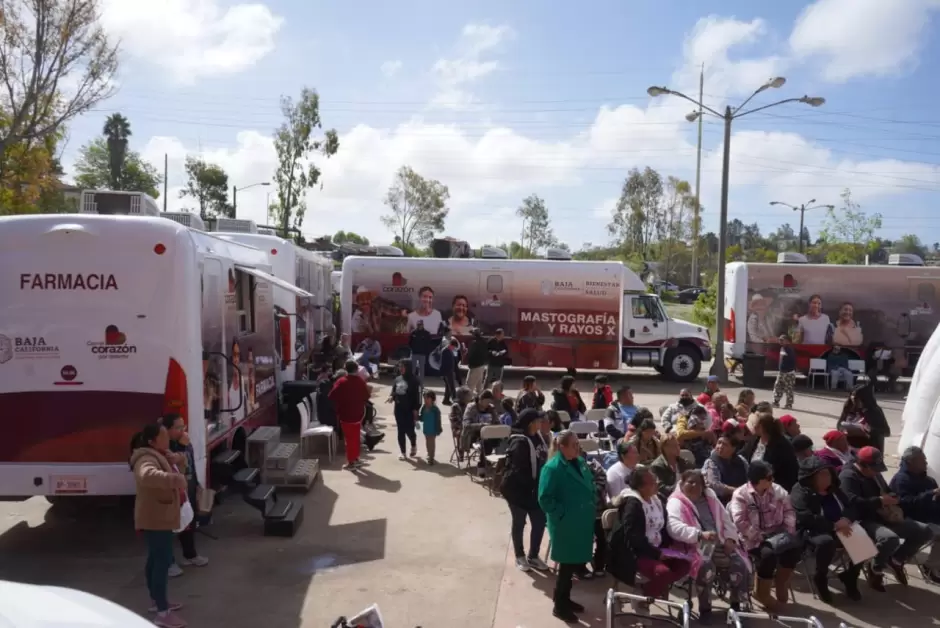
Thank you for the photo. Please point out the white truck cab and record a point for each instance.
(675, 348)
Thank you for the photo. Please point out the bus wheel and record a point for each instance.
(682, 364)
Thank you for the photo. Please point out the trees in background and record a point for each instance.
(56, 62)
(297, 143)
(207, 184)
(537, 233)
(348, 237)
(417, 208)
(116, 131)
(849, 232)
(93, 170)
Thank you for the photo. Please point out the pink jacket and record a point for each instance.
(750, 510)
(683, 526)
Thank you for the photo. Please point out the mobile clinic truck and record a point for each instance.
(821, 305)
(593, 315)
(106, 323)
(301, 321)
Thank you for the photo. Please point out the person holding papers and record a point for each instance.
(823, 514)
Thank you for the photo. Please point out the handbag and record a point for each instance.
(205, 500)
(186, 516)
(890, 514)
(780, 542)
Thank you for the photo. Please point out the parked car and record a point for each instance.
(690, 295)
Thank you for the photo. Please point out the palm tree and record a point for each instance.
(117, 129)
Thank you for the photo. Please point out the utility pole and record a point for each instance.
(234, 202)
(698, 182)
(802, 209)
(166, 168)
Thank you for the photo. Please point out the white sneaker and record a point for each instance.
(197, 561)
(522, 564)
(401, 456)
(175, 571)
(538, 563)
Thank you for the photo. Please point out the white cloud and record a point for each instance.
(454, 75)
(711, 43)
(192, 39)
(862, 37)
(391, 68)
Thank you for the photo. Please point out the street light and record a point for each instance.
(729, 115)
(802, 209)
(235, 194)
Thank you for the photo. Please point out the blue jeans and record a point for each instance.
(159, 559)
(537, 523)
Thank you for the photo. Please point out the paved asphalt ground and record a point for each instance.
(425, 543)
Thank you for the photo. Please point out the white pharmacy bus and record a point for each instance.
(108, 322)
(921, 416)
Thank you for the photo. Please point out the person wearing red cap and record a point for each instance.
(791, 427)
(882, 517)
(836, 452)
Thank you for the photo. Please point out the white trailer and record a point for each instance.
(108, 322)
(555, 313)
(821, 305)
(301, 321)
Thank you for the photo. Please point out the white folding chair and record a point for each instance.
(583, 428)
(858, 370)
(498, 433)
(817, 368)
(564, 416)
(597, 414)
(589, 445)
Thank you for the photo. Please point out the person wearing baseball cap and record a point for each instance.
(791, 427)
(712, 385)
(836, 452)
(803, 446)
(525, 456)
(896, 537)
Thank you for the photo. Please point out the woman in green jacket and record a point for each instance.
(567, 496)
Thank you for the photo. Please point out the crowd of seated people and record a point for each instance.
(712, 492)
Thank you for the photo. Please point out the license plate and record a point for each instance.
(69, 485)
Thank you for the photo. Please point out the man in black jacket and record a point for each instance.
(448, 370)
(421, 344)
(498, 351)
(919, 497)
(882, 517)
(525, 456)
(477, 356)
(822, 511)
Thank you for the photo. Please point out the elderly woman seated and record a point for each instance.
(724, 470)
(699, 521)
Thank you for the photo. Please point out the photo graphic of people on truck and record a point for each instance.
(850, 307)
(560, 320)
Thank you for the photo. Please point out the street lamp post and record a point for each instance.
(802, 209)
(235, 194)
(729, 115)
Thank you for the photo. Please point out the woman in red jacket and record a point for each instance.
(349, 396)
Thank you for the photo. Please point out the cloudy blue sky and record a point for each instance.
(499, 100)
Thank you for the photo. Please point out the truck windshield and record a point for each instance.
(648, 306)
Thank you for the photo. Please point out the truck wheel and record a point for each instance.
(682, 364)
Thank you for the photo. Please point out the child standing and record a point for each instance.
(603, 394)
(431, 423)
(786, 373)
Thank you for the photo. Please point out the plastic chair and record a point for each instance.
(564, 416)
(499, 433)
(817, 368)
(312, 430)
(583, 428)
(858, 369)
(595, 415)
(589, 445)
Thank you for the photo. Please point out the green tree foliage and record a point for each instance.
(849, 225)
(93, 170)
(207, 184)
(56, 62)
(537, 228)
(703, 311)
(296, 143)
(634, 218)
(417, 207)
(410, 250)
(116, 131)
(349, 237)
(910, 243)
